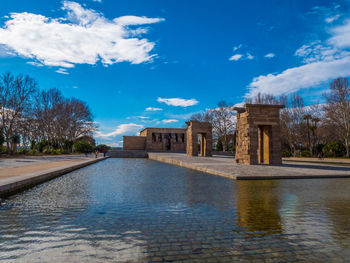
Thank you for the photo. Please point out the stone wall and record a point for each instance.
(134, 143)
(157, 139)
(165, 139)
(250, 120)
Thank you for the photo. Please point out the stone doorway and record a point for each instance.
(199, 132)
(168, 142)
(258, 134)
(202, 143)
(264, 151)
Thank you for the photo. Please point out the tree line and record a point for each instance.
(43, 120)
(306, 130)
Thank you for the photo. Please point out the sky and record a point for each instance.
(155, 63)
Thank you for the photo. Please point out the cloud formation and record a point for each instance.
(237, 57)
(169, 121)
(153, 109)
(84, 36)
(323, 61)
(270, 55)
(122, 129)
(332, 18)
(178, 102)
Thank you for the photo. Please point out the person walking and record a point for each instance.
(96, 152)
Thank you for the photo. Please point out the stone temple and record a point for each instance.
(258, 139)
(258, 134)
(196, 138)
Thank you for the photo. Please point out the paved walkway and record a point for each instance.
(10, 167)
(20, 173)
(226, 167)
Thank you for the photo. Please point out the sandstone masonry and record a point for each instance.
(258, 134)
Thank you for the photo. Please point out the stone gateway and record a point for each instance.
(258, 138)
(205, 145)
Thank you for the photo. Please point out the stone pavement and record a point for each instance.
(17, 174)
(227, 167)
(20, 161)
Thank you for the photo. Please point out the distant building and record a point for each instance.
(157, 139)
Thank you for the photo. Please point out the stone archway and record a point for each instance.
(204, 129)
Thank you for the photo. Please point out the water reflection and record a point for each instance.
(258, 207)
(127, 210)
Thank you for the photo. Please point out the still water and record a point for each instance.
(137, 210)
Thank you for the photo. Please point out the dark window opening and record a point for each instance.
(154, 138)
(182, 137)
(176, 137)
(160, 137)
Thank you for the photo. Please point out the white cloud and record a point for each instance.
(35, 64)
(341, 35)
(62, 71)
(153, 109)
(237, 47)
(332, 18)
(83, 37)
(138, 117)
(236, 57)
(169, 121)
(136, 20)
(324, 61)
(249, 56)
(270, 55)
(99, 1)
(178, 102)
(317, 51)
(122, 129)
(75, 87)
(305, 76)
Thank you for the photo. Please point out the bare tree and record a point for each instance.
(292, 122)
(337, 109)
(223, 121)
(16, 96)
(261, 98)
(61, 121)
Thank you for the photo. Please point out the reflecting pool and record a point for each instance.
(138, 210)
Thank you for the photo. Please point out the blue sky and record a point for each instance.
(154, 63)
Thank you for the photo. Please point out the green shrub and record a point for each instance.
(286, 154)
(82, 147)
(305, 153)
(33, 152)
(334, 149)
(2, 149)
(58, 151)
(22, 151)
(47, 151)
(219, 146)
